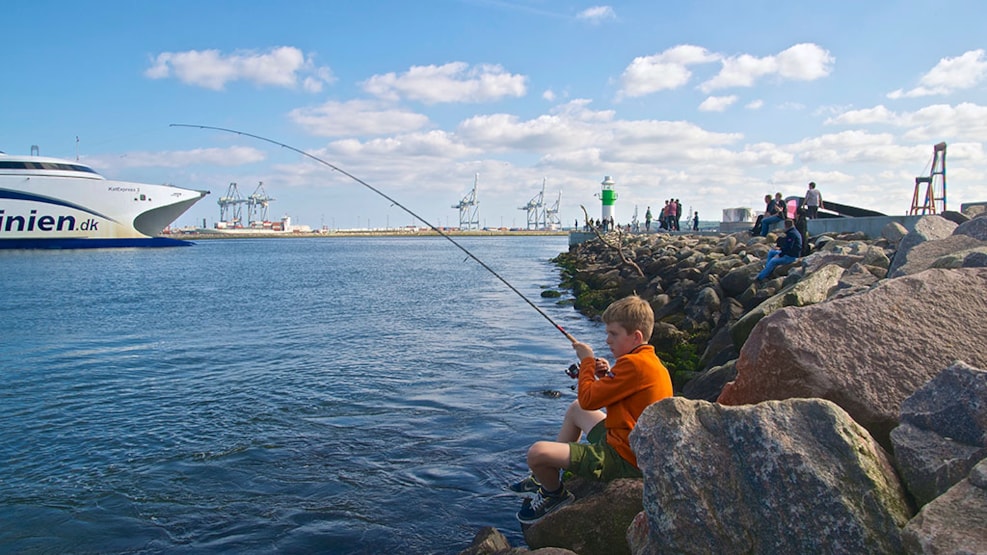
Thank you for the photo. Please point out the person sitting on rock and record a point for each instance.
(637, 379)
(788, 251)
(773, 213)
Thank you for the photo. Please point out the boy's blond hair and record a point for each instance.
(632, 313)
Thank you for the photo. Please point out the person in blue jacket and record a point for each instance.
(773, 213)
(790, 249)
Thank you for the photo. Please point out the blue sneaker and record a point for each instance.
(527, 486)
(536, 508)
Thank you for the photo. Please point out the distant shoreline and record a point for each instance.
(205, 236)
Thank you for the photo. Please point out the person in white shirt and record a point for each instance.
(813, 201)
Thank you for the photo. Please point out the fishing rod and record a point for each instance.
(395, 203)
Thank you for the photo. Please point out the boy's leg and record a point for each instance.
(545, 459)
(578, 421)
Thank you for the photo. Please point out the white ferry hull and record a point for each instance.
(67, 209)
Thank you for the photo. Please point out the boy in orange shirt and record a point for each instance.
(636, 380)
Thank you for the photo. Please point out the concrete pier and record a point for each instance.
(870, 226)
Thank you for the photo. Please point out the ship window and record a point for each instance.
(11, 165)
(143, 197)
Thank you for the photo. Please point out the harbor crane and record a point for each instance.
(257, 204)
(231, 207)
(536, 209)
(552, 220)
(933, 201)
(469, 212)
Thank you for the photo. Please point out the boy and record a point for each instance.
(636, 380)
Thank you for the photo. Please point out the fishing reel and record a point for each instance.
(572, 371)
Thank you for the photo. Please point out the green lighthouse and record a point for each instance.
(607, 197)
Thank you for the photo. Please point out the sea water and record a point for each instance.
(333, 395)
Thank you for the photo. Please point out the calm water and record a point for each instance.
(281, 395)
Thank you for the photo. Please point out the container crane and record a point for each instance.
(469, 216)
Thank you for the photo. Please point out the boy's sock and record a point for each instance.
(555, 493)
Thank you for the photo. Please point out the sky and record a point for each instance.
(715, 103)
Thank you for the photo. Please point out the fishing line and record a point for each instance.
(395, 203)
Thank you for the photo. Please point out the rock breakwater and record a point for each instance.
(829, 368)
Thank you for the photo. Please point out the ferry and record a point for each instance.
(51, 203)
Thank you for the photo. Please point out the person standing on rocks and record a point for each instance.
(812, 201)
(788, 251)
(637, 379)
(647, 220)
(695, 222)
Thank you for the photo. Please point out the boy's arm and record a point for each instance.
(595, 393)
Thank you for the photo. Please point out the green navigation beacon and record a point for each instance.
(607, 197)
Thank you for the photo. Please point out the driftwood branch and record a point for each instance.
(617, 247)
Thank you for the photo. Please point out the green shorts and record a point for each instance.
(597, 460)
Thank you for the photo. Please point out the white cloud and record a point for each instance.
(801, 62)
(227, 157)
(437, 144)
(283, 66)
(755, 104)
(356, 117)
(667, 70)
(940, 122)
(506, 131)
(950, 74)
(930, 123)
(867, 116)
(805, 62)
(717, 103)
(670, 69)
(452, 82)
(597, 14)
(850, 146)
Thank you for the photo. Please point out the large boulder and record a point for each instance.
(796, 476)
(869, 352)
(943, 431)
(970, 258)
(821, 259)
(737, 280)
(813, 288)
(708, 385)
(490, 541)
(955, 521)
(927, 228)
(955, 217)
(596, 523)
(976, 228)
(928, 254)
(894, 233)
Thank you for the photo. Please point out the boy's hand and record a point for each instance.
(582, 350)
(602, 368)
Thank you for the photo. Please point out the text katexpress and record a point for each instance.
(45, 222)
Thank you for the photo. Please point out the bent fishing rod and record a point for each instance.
(395, 203)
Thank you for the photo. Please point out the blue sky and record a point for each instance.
(712, 102)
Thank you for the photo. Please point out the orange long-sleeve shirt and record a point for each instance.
(638, 380)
